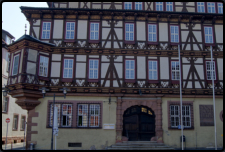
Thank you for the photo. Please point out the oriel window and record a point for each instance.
(43, 66)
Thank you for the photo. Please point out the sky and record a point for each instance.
(14, 20)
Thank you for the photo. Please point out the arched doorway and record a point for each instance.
(139, 123)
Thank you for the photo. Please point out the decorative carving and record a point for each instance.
(153, 85)
(58, 43)
(58, 16)
(95, 17)
(152, 47)
(94, 45)
(13, 80)
(129, 46)
(71, 16)
(69, 45)
(141, 45)
(80, 83)
(129, 18)
(221, 85)
(83, 17)
(54, 82)
(141, 84)
(175, 86)
(93, 84)
(163, 46)
(81, 43)
(209, 86)
(67, 84)
(35, 16)
(130, 85)
(174, 47)
(164, 84)
(220, 47)
(30, 79)
(47, 16)
(41, 82)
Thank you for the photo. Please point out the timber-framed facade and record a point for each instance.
(111, 52)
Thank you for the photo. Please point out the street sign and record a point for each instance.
(7, 120)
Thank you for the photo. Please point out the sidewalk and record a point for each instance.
(16, 146)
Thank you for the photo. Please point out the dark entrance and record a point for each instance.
(139, 123)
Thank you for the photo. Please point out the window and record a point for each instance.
(94, 31)
(130, 71)
(129, 32)
(23, 119)
(93, 69)
(174, 34)
(64, 115)
(93, 116)
(159, 6)
(152, 67)
(208, 35)
(68, 68)
(175, 69)
(70, 30)
(138, 5)
(5, 104)
(201, 7)
(210, 70)
(15, 122)
(175, 116)
(169, 6)
(128, 5)
(211, 7)
(15, 65)
(220, 8)
(8, 63)
(152, 33)
(8, 40)
(46, 26)
(43, 66)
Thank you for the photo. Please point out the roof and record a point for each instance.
(7, 33)
(31, 38)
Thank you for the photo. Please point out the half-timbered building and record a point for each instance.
(120, 62)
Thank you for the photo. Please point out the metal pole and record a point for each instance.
(53, 121)
(24, 134)
(181, 99)
(6, 137)
(55, 142)
(213, 96)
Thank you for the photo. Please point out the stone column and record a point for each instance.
(159, 130)
(119, 124)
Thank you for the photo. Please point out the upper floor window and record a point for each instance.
(211, 7)
(68, 68)
(208, 35)
(138, 5)
(8, 40)
(70, 30)
(93, 69)
(152, 67)
(23, 121)
(201, 7)
(152, 33)
(210, 70)
(169, 6)
(220, 8)
(46, 27)
(15, 64)
(128, 5)
(94, 32)
(15, 122)
(174, 34)
(175, 70)
(159, 6)
(129, 32)
(43, 66)
(130, 69)
(5, 104)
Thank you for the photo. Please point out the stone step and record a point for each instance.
(139, 141)
(145, 145)
(133, 146)
(140, 144)
(139, 148)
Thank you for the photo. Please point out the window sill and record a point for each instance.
(130, 80)
(153, 81)
(171, 128)
(4, 112)
(43, 78)
(174, 43)
(153, 43)
(94, 41)
(209, 44)
(93, 80)
(129, 42)
(210, 81)
(14, 129)
(67, 80)
(175, 82)
(69, 41)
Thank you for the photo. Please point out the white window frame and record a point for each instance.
(170, 6)
(15, 122)
(208, 35)
(201, 7)
(44, 66)
(128, 5)
(15, 65)
(211, 8)
(129, 71)
(93, 69)
(152, 71)
(220, 8)
(138, 6)
(159, 6)
(5, 104)
(94, 107)
(174, 34)
(70, 30)
(68, 69)
(51, 114)
(175, 114)
(175, 73)
(210, 69)
(67, 115)
(22, 122)
(83, 115)
(152, 34)
(46, 30)
(129, 31)
(186, 110)
(94, 31)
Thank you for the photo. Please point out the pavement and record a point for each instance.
(14, 146)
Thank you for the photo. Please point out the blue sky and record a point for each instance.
(14, 20)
